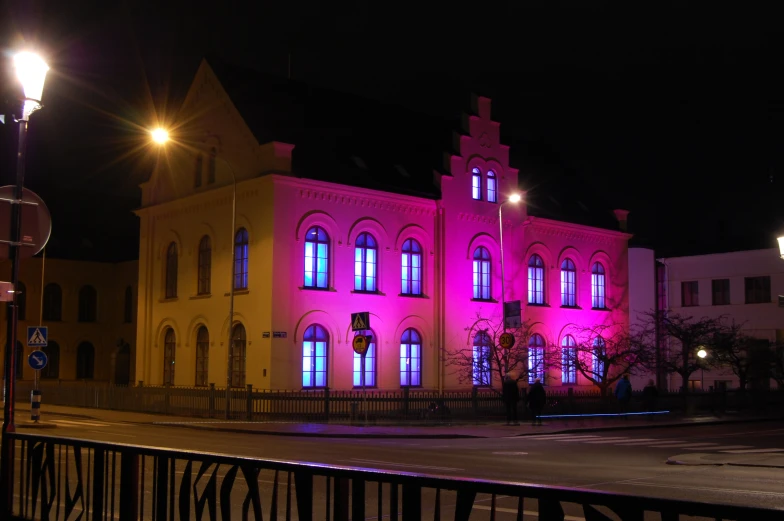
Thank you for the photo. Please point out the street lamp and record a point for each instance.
(514, 198)
(31, 72)
(781, 246)
(702, 353)
(161, 136)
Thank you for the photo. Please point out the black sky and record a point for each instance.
(674, 112)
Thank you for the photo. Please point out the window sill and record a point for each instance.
(571, 307)
(238, 292)
(601, 309)
(361, 292)
(198, 297)
(314, 288)
(168, 299)
(534, 304)
(491, 300)
(411, 295)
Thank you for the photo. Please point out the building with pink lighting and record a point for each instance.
(317, 240)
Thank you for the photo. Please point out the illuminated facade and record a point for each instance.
(310, 252)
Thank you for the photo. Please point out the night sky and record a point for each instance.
(674, 113)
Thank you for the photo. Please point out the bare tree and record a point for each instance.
(749, 358)
(604, 353)
(482, 360)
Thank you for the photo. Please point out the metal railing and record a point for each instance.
(326, 405)
(67, 479)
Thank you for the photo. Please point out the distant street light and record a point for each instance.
(31, 72)
(702, 353)
(161, 136)
(781, 246)
(514, 198)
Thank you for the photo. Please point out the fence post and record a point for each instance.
(249, 402)
(129, 486)
(211, 401)
(326, 404)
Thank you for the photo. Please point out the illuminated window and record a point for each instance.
(481, 274)
(241, 259)
(410, 359)
(171, 271)
(492, 187)
(536, 367)
(568, 360)
(411, 266)
(535, 280)
(202, 356)
(315, 343)
(316, 258)
(365, 259)
(370, 364)
(169, 350)
(476, 184)
(597, 286)
(568, 290)
(483, 352)
(237, 355)
(205, 265)
(599, 357)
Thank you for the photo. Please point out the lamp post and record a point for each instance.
(31, 71)
(702, 353)
(514, 198)
(161, 136)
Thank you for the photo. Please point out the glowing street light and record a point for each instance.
(160, 136)
(702, 353)
(514, 198)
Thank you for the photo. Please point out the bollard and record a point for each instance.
(35, 405)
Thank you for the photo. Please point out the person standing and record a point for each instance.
(623, 393)
(511, 395)
(536, 399)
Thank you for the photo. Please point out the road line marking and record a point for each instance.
(395, 464)
(635, 440)
(720, 447)
(653, 444)
(511, 453)
(709, 489)
(692, 445)
(577, 438)
(607, 440)
(114, 434)
(544, 436)
(531, 513)
(752, 451)
(80, 424)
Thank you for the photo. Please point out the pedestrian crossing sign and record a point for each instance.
(360, 321)
(37, 336)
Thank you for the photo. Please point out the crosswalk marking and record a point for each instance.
(653, 443)
(750, 451)
(70, 423)
(720, 447)
(607, 440)
(691, 445)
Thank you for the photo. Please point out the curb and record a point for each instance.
(671, 461)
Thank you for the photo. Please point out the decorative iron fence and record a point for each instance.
(67, 479)
(327, 405)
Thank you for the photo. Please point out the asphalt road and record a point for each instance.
(619, 461)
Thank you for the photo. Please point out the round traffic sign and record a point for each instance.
(507, 340)
(360, 344)
(37, 359)
(36, 222)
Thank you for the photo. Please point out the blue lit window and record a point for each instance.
(536, 368)
(597, 286)
(411, 266)
(481, 273)
(370, 364)
(315, 343)
(476, 184)
(241, 259)
(365, 259)
(316, 258)
(568, 360)
(492, 187)
(568, 287)
(535, 280)
(410, 359)
(482, 357)
(599, 356)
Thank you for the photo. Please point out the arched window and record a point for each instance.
(20, 360)
(237, 356)
(482, 357)
(88, 304)
(21, 300)
(202, 356)
(171, 270)
(492, 187)
(568, 360)
(205, 265)
(241, 259)
(476, 184)
(169, 351)
(535, 280)
(481, 273)
(599, 357)
(597, 286)
(315, 345)
(85, 361)
(316, 258)
(211, 165)
(128, 308)
(53, 302)
(52, 369)
(536, 368)
(410, 359)
(365, 260)
(198, 171)
(411, 265)
(370, 364)
(568, 287)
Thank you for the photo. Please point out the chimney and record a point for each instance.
(622, 216)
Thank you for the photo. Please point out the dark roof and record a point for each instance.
(341, 137)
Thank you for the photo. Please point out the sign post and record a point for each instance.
(360, 345)
(37, 360)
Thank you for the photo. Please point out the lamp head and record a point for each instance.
(781, 246)
(702, 353)
(31, 71)
(514, 198)
(159, 135)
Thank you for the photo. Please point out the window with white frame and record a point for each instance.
(492, 187)
(536, 368)
(370, 364)
(481, 273)
(476, 184)
(535, 280)
(597, 286)
(568, 360)
(410, 359)
(241, 259)
(316, 258)
(599, 357)
(365, 259)
(568, 285)
(411, 267)
(315, 345)
(481, 359)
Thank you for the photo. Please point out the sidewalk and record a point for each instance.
(391, 431)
